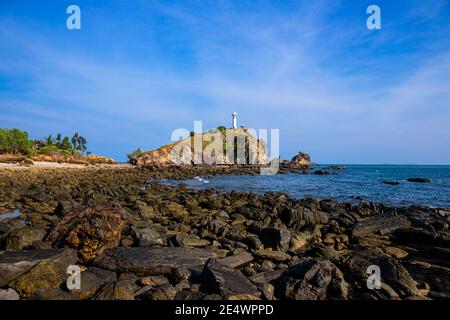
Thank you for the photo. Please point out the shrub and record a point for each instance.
(132, 157)
(15, 141)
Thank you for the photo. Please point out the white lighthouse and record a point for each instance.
(234, 120)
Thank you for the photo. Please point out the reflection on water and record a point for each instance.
(12, 215)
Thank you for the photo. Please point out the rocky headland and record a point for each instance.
(134, 238)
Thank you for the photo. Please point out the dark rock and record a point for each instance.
(277, 256)
(163, 292)
(392, 183)
(298, 217)
(237, 260)
(184, 240)
(321, 172)
(384, 223)
(92, 281)
(147, 237)
(51, 294)
(276, 238)
(219, 278)
(421, 180)
(153, 260)
(8, 294)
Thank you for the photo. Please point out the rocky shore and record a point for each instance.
(134, 238)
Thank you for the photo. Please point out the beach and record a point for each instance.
(135, 238)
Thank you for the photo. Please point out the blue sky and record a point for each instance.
(137, 70)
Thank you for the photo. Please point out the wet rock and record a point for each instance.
(219, 278)
(392, 183)
(277, 256)
(237, 260)
(384, 223)
(276, 238)
(48, 273)
(51, 294)
(8, 294)
(13, 264)
(22, 238)
(321, 172)
(153, 260)
(91, 231)
(420, 180)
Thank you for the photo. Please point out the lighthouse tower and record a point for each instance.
(234, 120)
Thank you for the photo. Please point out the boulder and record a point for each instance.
(276, 238)
(19, 239)
(302, 159)
(51, 294)
(91, 281)
(219, 278)
(277, 256)
(420, 180)
(91, 231)
(384, 223)
(237, 260)
(153, 260)
(299, 216)
(13, 264)
(8, 294)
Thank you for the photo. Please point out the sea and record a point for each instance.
(355, 183)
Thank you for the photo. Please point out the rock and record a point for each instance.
(392, 183)
(125, 289)
(237, 260)
(8, 294)
(92, 281)
(393, 273)
(147, 237)
(268, 276)
(384, 223)
(395, 252)
(421, 180)
(154, 281)
(153, 260)
(19, 239)
(13, 264)
(302, 159)
(181, 274)
(242, 297)
(313, 279)
(321, 172)
(51, 294)
(298, 217)
(219, 278)
(300, 242)
(91, 231)
(184, 240)
(277, 256)
(276, 238)
(48, 273)
(163, 292)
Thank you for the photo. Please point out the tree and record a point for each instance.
(15, 141)
(49, 141)
(79, 142)
(132, 157)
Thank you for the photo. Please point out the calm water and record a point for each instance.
(355, 183)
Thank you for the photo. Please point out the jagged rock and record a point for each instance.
(91, 231)
(313, 279)
(277, 256)
(47, 273)
(163, 292)
(393, 273)
(237, 260)
(219, 278)
(125, 289)
(13, 264)
(298, 217)
(8, 294)
(19, 239)
(384, 223)
(276, 238)
(268, 276)
(153, 260)
(302, 159)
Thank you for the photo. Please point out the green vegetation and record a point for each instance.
(132, 157)
(15, 141)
